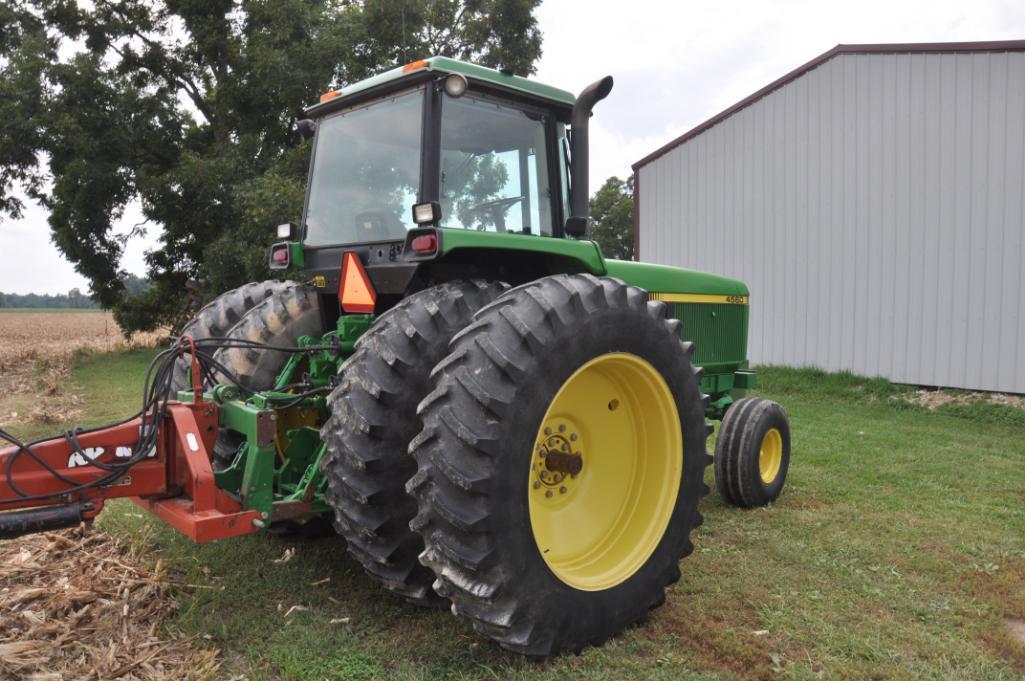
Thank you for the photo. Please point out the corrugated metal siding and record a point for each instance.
(876, 208)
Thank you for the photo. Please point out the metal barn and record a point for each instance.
(874, 202)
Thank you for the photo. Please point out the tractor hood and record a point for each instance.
(665, 279)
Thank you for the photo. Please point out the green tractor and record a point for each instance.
(494, 416)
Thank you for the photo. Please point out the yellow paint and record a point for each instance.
(770, 458)
(598, 528)
(698, 298)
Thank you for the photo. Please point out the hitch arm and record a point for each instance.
(57, 481)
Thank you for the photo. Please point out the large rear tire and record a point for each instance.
(217, 318)
(561, 463)
(291, 311)
(373, 418)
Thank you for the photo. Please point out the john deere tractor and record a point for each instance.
(494, 416)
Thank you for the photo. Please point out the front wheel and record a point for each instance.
(752, 453)
(561, 463)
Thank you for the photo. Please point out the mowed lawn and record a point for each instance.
(896, 551)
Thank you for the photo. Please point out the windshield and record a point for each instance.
(494, 169)
(366, 173)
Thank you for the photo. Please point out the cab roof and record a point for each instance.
(473, 72)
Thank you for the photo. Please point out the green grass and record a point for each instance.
(896, 551)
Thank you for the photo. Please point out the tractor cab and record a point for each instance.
(444, 149)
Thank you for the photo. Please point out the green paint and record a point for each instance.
(664, 279)
(445, 65)
(350, 328)
(297, 257)
(586, 253)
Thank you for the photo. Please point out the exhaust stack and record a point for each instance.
(576, 225)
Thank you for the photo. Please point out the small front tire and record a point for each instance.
(752, 453)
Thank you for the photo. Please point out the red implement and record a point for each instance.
(173, 480)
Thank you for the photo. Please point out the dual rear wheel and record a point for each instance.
(557, 456)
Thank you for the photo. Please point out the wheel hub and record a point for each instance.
(558, 459)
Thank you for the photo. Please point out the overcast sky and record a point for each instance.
(675, 65)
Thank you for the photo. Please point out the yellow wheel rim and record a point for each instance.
(605, 471)
(770, 458)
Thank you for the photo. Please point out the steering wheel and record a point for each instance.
(498, 207)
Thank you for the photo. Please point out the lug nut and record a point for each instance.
(548, 431)
(562, 490)
(572, 437)
(537, 485)
(548, 494)
(562, 427)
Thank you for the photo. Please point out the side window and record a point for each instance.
(493, 168)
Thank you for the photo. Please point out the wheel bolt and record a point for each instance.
(562, 490)
(543, 454)
(537, 485)
(548, 431)
(573, 437)
(562, 427)
(548, 494)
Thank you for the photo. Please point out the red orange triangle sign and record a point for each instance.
(354, 289)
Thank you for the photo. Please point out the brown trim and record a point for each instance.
(882, 48)
(637, 216)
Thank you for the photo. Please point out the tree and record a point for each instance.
(190, 108)
(612, 218)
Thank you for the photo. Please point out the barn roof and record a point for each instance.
(879, 48)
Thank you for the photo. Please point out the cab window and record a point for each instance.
(494, 168)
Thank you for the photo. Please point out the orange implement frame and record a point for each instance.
(174, 480)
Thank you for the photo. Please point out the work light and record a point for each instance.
(455, 84)
(427, 213)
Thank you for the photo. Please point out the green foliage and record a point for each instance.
(612, 218)
(189, 108)
(73, 299)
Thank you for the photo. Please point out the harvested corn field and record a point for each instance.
(36, 349)
(77, 606)
(81, 606)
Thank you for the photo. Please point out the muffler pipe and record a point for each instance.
(579, 199)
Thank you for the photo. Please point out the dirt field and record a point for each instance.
(36, 349)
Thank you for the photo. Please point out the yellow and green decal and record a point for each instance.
(698, 298)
